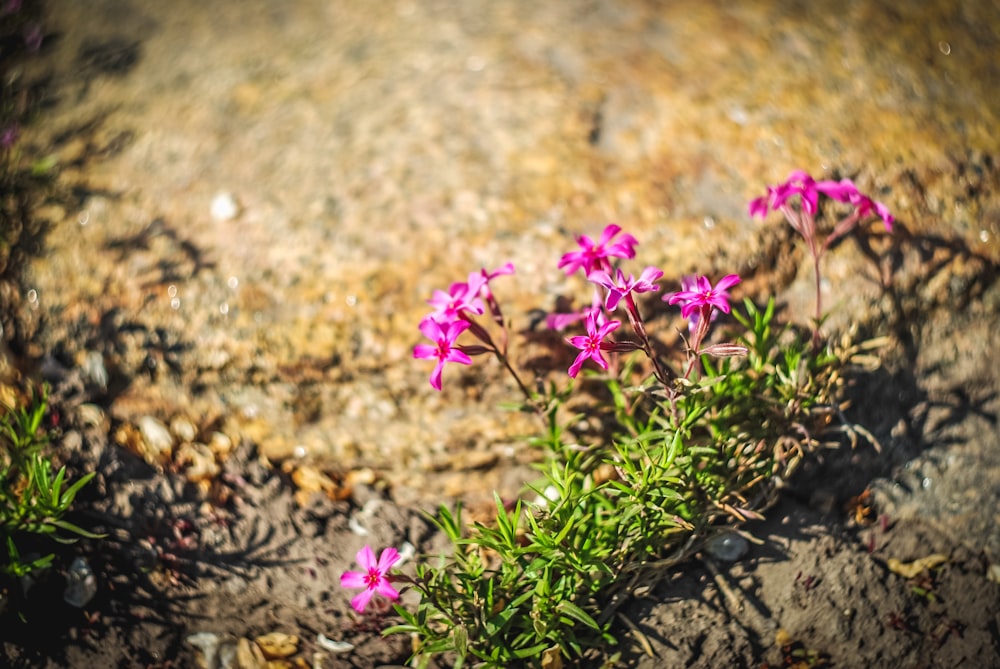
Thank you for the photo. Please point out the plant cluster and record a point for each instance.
(35, 496)
(699, 440)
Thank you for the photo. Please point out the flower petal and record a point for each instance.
(574, 369)
(601, 278)
(424, 351)
(842, 190)
(727, 282)
(461, 357)
(385, 589)
(360, 600)
(389, 557)
(506, 268)
(431, 329)
(758, 207)
(598, 358)
(884, 214)
(650, 275)
(610, 230)
(436, 376)
(366, 558)
(353, 579)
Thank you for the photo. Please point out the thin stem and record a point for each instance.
(483, 335)
(819, 299)
(704, 318)
(532, 401)
(660, 371)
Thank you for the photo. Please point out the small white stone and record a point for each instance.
(333, 646)
(224, 207)
(156, 435)
(208, 644)
(93, 369)
(183, 429)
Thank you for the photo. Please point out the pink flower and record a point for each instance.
(808, 189)
(374, 577)
(443, 335)
(460, 297)
(689, 283)
(864, 204)
(621, 287)
(703, 297)
(560, 321)
(594, 255)
(506, 268)
(592, 344)
(487, 294)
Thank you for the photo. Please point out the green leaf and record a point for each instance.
(70, 494)
(56, 486)
(460, 635)
(570, 609)
(75, 529)
(529, 652)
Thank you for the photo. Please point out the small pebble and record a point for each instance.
(208, 644)
(333, 646)
(156, 435)
(81, 584)
(224, 207)
(728, 547)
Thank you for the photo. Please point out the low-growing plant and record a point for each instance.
(696, 442)
(35, 496)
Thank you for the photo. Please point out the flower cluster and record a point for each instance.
(597, 255)
(803, 218)
(808, 189)
(698, 301)
(454, 313)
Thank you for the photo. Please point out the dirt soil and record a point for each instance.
(195, 569)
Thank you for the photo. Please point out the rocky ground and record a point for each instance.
(252, 201)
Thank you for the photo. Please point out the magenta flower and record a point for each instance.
(621, 287)
(808, 189)
(374, 577)
(704, 297)
(560, 321)
(864, 204)
(595, 255)
(506, 268)
(443, 335)
(803, 218)
(689, 283)
(591, 345)
(487, 294)
(459, 298)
